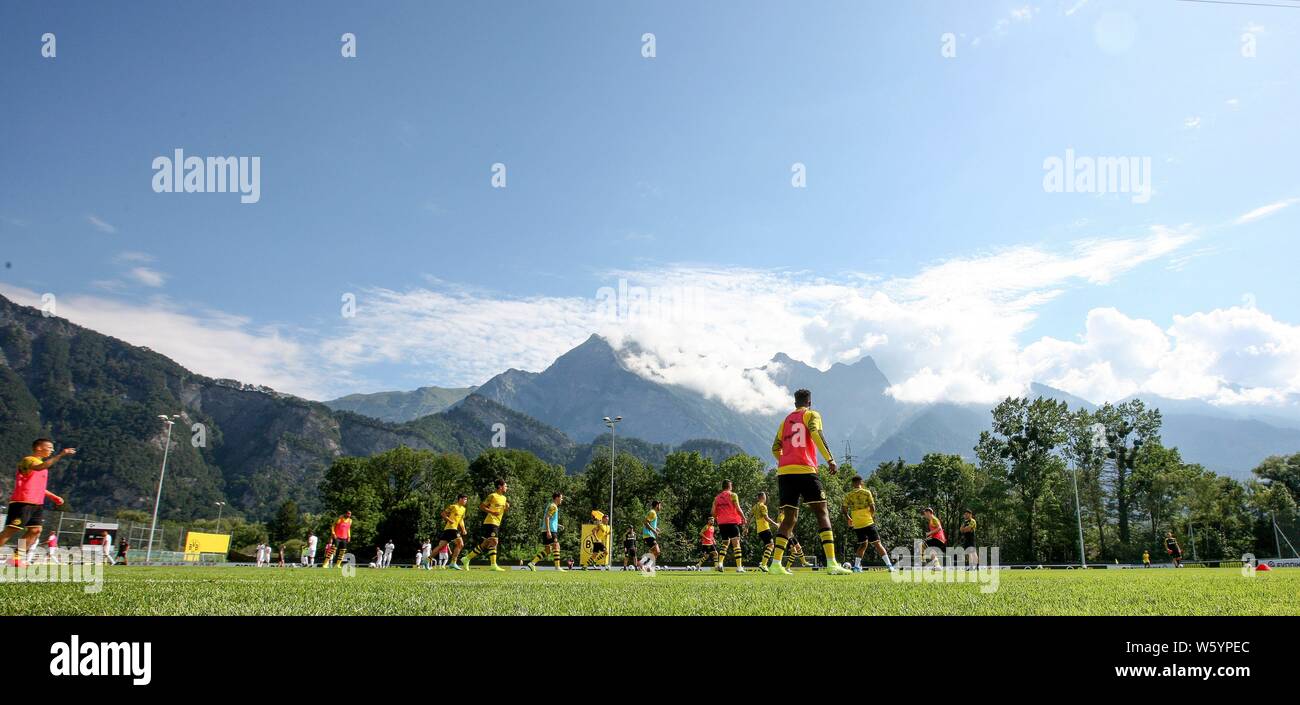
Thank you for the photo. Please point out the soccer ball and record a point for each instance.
(845, 565)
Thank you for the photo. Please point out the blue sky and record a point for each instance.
(924, 183)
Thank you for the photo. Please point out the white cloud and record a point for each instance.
(101, 225)
(210, 343)
(1225, 356)
(1076, 7)
(1192, 122)
(147, 276)
(1264, 211)
(1233, 103)
(948, 332)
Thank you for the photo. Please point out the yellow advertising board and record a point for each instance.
(587, 540)
(197, 542)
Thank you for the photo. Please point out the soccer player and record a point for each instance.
(550, 533)
(797, 480)
(708, 546)
(599, 539)
(731, 519)
(494, 507)
(342, 535)
(966, 533)
(1171, 547)
(934, 536)
(52, 548)
(329, 553)
(763, 524)
(310, 549)
(27, 503)
(121, 551)
(388, 554)
(1146, 558)
(629, 548)
(442, 556)
(453, 525)
(650, 537)
(860, 509)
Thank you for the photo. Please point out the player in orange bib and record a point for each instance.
(342, 535)
(797, 442)
(27, 504)
(731, 523)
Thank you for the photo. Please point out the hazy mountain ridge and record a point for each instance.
(401, 406)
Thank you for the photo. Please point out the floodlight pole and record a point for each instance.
(153, 527)
(610, 424)
(1078, 517)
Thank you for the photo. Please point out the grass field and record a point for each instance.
(395, 591)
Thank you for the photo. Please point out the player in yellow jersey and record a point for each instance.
(966, 532)
(453, 526)
(798, 439)
(599, 541)
(494, 508)
(860, 509)
(763, 525)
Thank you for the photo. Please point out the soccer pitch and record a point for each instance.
(398, 591)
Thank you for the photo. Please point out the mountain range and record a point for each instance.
(592, 380)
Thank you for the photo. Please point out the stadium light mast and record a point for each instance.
(610, 424)
(221, 506)
(153, 527)
(1078, 518)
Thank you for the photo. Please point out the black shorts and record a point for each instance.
(867, 534)
(968, 540)
(708, 548)
(340, 546)
(630, 545)
(449, 535)
(936, 543)
(729, 531)
(488, 531)
(555, 538)
(1177, 553)
(799, 488)
(649, 541)
(765, 536)
(24, 515)
(597, 547)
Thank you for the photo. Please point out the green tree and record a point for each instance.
(1022, 448)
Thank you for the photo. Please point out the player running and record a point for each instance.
(550, 533)
(1146, 558)
(935, 539)
(966, 532)
(27, 503)
(730, 518)
(708, 546)
(650, 537)
(599, 542)
(1171, 547)
(860, 509)
(797, 480)
(342, 531)
(494, 506)
(763, 524)
(453, 526)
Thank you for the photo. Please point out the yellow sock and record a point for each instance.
(767, 554)
(778, 549)
(828, 545)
